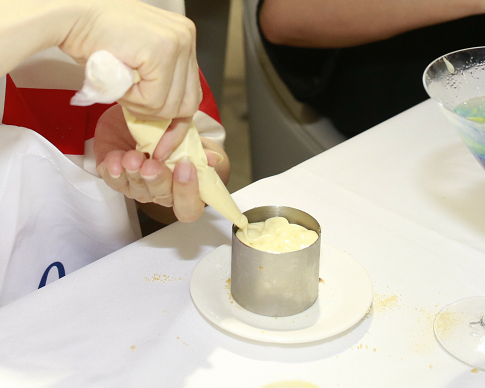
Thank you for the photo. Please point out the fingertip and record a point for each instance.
(112, 164)
(132, 161)
(164, 157)
(184, 170)
(213, 157)
(151, 169)
(114, 175)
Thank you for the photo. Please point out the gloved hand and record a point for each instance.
(159, 44)
(168, 180)
(149, 180)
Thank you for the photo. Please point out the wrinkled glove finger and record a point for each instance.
(158, 180)
(187, 205)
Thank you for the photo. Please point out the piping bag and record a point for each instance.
(107, 79)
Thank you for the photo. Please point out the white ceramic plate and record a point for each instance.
(345, 296)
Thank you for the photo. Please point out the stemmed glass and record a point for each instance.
(456, 81)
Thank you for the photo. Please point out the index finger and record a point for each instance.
(171, 139)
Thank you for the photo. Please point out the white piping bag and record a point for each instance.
(107, 80)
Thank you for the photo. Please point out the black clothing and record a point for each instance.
(359, 87)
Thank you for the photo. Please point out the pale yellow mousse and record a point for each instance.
(212, 190)
(276, 235)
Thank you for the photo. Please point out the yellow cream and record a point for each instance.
(212, 190)
(276, 235)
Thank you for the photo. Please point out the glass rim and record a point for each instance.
(426, 70)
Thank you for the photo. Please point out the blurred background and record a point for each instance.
(268, 130)
(220, 48)
(234, 107)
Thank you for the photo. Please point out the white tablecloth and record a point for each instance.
(406, 199)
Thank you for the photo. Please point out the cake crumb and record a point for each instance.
(474, 370)
(161, 278)
(382, 303)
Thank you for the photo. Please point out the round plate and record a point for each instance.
(345, 295)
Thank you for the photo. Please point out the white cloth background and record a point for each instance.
(52, 211)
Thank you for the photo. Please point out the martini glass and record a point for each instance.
(456, 81)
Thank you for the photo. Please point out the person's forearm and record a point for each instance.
(28, 26)
(338, 23)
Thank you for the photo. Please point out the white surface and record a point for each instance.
(344, 298)
(405, 199)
